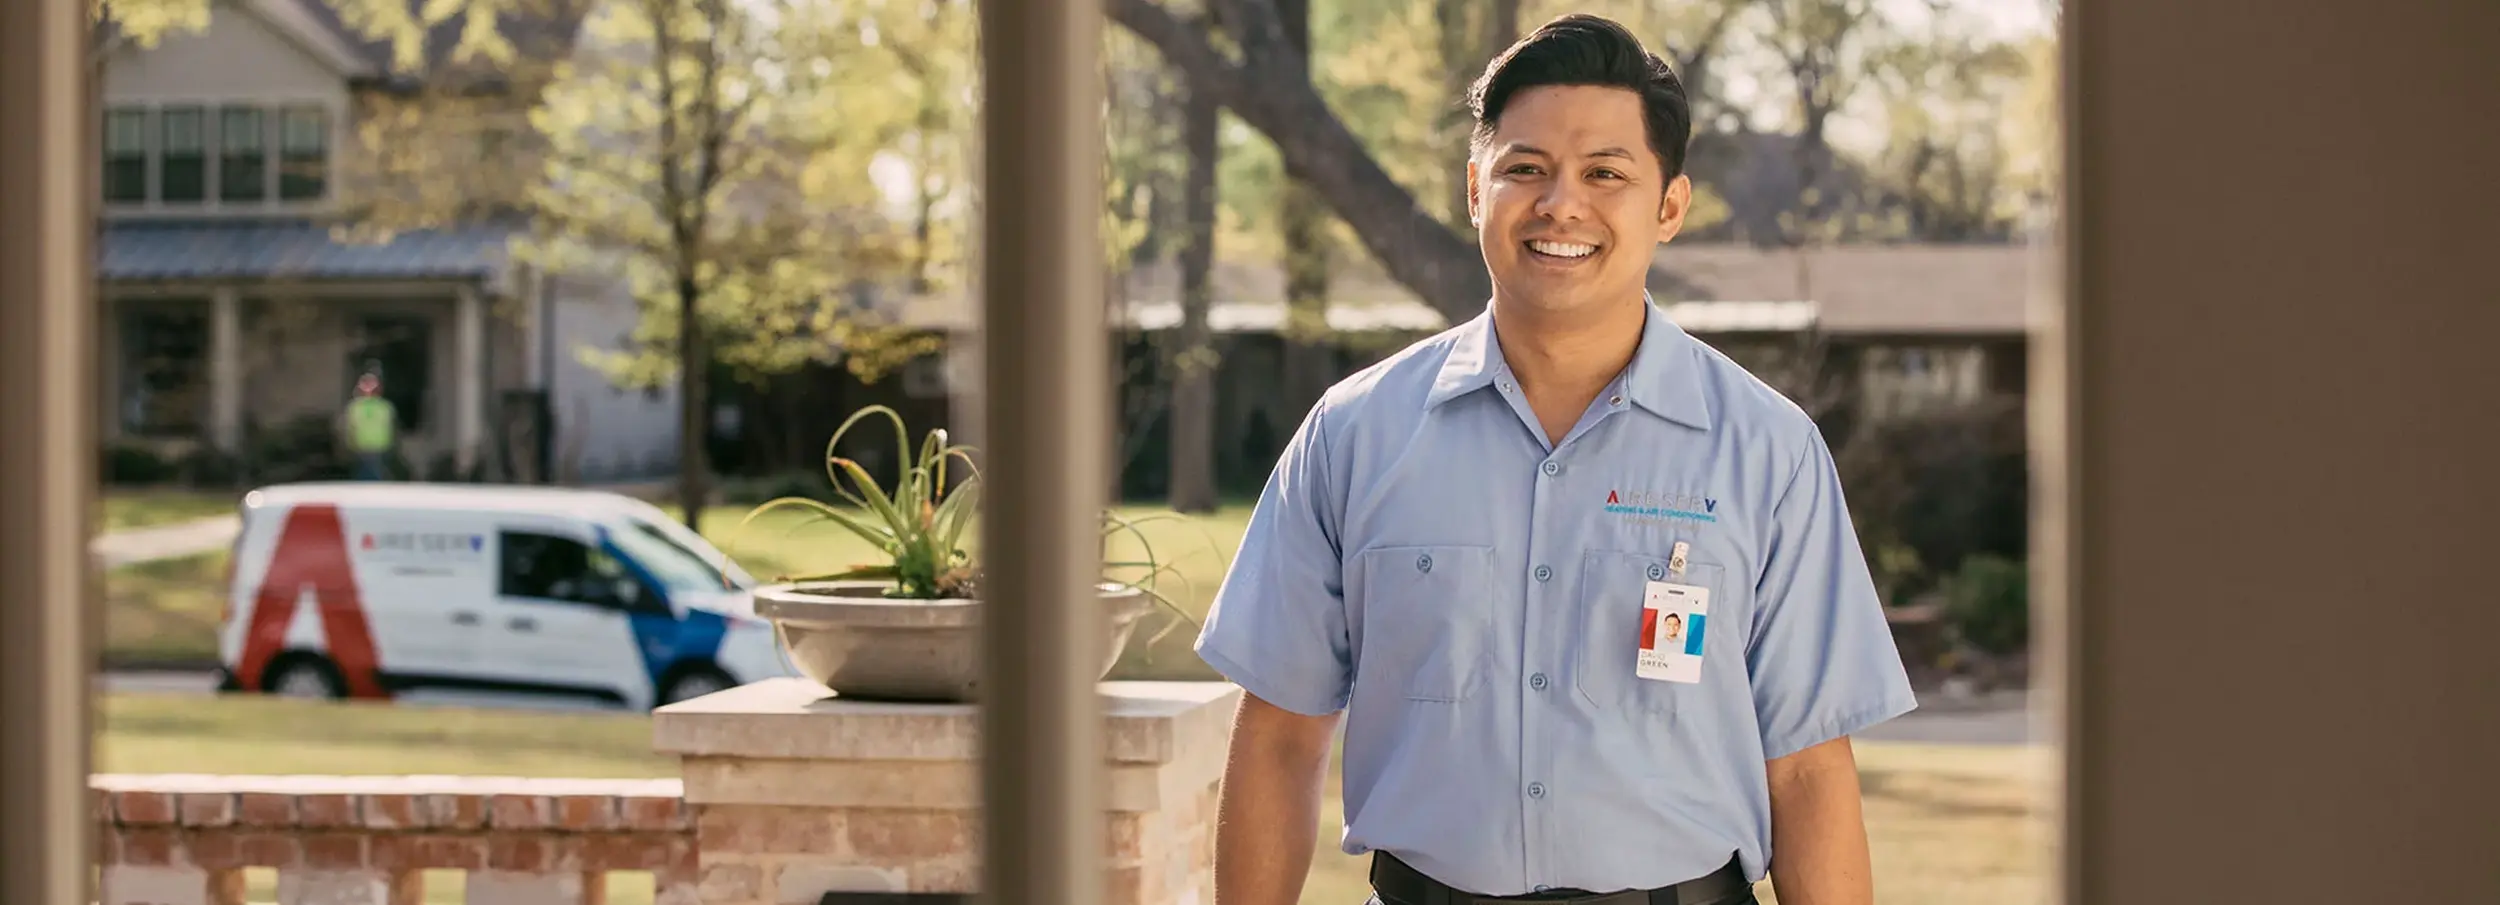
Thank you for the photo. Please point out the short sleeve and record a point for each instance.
(1822, 658)
(1277, 627)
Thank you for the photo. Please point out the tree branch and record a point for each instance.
(1270, 89)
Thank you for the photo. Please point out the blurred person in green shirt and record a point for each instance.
(372, 428)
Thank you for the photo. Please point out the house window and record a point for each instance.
(400, 350)
(304, 153)
(126, 156)
(242, 155)
(164, 372)
(183, 172)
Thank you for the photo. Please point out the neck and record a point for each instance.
(1566, 351)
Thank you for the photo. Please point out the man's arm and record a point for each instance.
(1818, 833)
(1267, 815)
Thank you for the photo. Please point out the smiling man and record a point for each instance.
(1466, 550)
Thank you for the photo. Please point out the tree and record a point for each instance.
(1267, 83)
(1194, 356)
(1309, 357)
(1944, 169)
(1819, 44)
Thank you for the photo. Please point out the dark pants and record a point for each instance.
(371, 466)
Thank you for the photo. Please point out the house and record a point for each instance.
(1890, 330)
(243, 292)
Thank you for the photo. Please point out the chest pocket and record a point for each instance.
(1612, 588)
(1425, 620)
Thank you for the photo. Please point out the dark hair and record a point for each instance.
(1581, 49)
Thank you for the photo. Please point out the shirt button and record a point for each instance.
(1536, 790)
(1423, 563)
(1615, 401)
(1537, 681)
(1553, 468)
(1506, 386)
(1544, 573)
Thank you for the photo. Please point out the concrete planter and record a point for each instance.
(849, 637)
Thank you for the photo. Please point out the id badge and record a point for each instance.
(1672, 618)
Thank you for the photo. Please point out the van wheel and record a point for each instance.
(695, 683)
(310, 678)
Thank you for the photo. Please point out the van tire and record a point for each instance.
(690, 682)
(308, 676)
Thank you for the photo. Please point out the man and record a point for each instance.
(1457, 553)
(372, 427)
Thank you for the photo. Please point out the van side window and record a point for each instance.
(547, 567)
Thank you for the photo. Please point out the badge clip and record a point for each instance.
(1675, 560)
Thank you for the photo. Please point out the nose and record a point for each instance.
(1564, 201)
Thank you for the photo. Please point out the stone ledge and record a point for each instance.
(796, 719)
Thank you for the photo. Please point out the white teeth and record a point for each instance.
(1563, 249)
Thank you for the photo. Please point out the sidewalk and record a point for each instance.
(121, 548)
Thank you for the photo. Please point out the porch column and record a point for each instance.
(468, 414)
(225, 369)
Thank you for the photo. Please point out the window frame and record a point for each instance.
(287, 155)
(145, 154)
(262, 192)
(198, 155)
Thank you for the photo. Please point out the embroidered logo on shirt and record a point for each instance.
(1661, 507)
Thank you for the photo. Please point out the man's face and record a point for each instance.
(1570, 201)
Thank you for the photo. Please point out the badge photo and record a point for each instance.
(1673, 622)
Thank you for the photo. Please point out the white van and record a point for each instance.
(374, 590)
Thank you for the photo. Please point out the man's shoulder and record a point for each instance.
(1394, 386)
(1750, 407)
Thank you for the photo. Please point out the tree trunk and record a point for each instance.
(1271, 91)
(691, 431)
(1310, 362)
(1193, 355)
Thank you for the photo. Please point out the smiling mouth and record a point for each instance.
(1561, 252)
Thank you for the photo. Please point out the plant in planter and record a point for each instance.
(906, 626)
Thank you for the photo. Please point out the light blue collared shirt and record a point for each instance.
(1472, 596)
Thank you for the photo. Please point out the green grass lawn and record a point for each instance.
(157, 733)
(124, 509)
(164, 613)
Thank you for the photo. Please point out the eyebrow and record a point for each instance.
(1518, 148)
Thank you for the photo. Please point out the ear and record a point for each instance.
(1677, 202)
(1475, 198)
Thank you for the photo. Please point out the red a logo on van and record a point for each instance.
(312, 552)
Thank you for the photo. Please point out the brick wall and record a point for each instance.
(795, 795)
(185, 840)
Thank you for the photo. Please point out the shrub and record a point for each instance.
(131, 465)
(1989, 604)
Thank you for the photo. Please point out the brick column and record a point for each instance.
(796, 794)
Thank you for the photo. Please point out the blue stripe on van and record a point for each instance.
(663, 641)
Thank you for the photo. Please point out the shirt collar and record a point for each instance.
(1665, 376)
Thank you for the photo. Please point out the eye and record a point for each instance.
(1604, 173)
(1520, 169)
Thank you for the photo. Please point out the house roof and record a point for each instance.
(1725, 288)
(293, 250)
(543, 31)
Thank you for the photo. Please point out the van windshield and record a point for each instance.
(670, 563)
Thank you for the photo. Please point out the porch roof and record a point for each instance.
(293, 250)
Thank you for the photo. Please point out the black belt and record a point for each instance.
(1400, 884)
